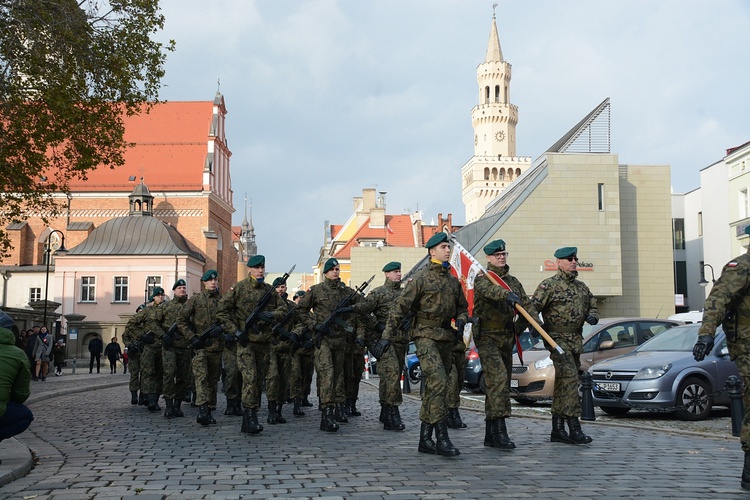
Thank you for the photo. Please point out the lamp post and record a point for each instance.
(704, 282)
(61, 251)
(149, 279)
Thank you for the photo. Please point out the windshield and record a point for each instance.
(679, 338)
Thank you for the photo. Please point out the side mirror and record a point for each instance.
(607, 344)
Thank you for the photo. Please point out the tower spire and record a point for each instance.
(494, 52)
(247, 235)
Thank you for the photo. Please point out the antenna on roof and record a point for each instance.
(218, 85)
(494, 6)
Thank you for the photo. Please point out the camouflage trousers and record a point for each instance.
(176, 365)
(566, 402)
(329, 365)
(134, 364)
(151, 370)
(497, 363)
(390, 368)
(354, 366)
(233, 377)
(301, 373)
(741, 355)
(436, 359)
(206, 371)
(456, 377)
(277, 381)
(253, 364)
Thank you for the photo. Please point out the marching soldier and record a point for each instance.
(133, 331)
(565, 304)
(253, 358)
(151, 362)
(197, 317)
(378, 303)
(495, 336)
(436, 298)
(280, 363)
(456, 384)
(232, 380)
(302, 368)
(175, 353)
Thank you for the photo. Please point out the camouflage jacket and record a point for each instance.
(280, 344)
(199, 313)
(495, 315)
(172, 311)
(237, 304)
(376, 307)
(319, 302)
(436, 297)
(134, 328)
(564, 302)
(731, 290)
(153, 322)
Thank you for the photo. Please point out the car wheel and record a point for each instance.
(693, 400)
(482, 384)
(614, 410)
(415, 373)
(526, 401)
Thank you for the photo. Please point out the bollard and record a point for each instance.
(736, 408)
(587, 398)
(74, 366)
(407, 386)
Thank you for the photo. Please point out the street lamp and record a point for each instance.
(704, 282)
(60, 251)
(145, 292)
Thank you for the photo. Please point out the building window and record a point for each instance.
(744, 202)
(88, 289)
(121, 289)
(678, 233)
(151, 282)
(35, 294)
(600, 195)
(700, 223)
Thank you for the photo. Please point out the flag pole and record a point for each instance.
(499, 282)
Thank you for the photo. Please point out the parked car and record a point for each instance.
(413, 367)
(474, 375)
(534, 380)
(662, 375)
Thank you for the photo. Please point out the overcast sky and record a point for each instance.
(327, 97)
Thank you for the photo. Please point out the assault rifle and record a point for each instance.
(282, 332)
(325, 326)
(170, 336)
(204, 339)
(251, 322)
(140, 344)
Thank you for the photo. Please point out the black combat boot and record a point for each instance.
(489, 433)
(272, 413)
(339, 414)
(250, 422)
(426, 444)
(153, 402)
(193, 397)
(327, 420)
(211, 419)
(443, 444)
(383, 410)
(279, 417)
(306, 402)
(746, 472)
(453, 420)
(559, 435)
(176, 408)
(297, 411)
(169, 412)
(237, 408)
(202, 415)
(392, 419)
(142, 399)
(230, 406)
(245, 427)
(499, 435)
(353, 411)
(133, 397)
(576, 434)
(347, 407)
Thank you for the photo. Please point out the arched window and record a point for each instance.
(518, 172)
(494, 174)
(487, 95)
(510, 174)
(502, 173)
(497, 93)
(486, 173)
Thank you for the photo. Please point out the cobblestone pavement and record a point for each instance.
(94, 444)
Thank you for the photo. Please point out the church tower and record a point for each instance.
(247, 235)
(494, 164)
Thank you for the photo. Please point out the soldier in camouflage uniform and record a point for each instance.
(354, 365)
(280, 363)
(232, 380)
(197, 316)
(565, 303)
(133, 331)
(456, 384)
(152, 372)
(175, 354)
(302, 367)
(436, 297)
(253, 359)
(390, 367)
(729, 304)
(314, 308)
(495, 336)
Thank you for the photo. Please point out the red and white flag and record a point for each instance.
(466, 268)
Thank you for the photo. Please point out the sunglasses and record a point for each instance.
(571, 259)
(500, 254)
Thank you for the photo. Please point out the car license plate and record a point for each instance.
(608, 386)
(513, 383)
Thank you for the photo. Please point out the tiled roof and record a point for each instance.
(171, 146)
(396, 233)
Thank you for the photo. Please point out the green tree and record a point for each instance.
(69, 71)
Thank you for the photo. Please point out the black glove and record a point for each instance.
(591, 319)
(512, 299)
(148, 337)
(322, 329)
(167, 342)
(196, 343)
(460, 325)
(308, 344)
(702, 347)
(344, 310)
(360, 342)
(380, 326)
(229, 339)
(294, 338)
(266, 316)
(133, 348)
(380, 348)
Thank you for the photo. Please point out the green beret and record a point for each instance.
(436, 239)
(179, 282)
(256, 261)
(565, 252)
(330, 264)
(300, 293)
(141, 307)
(211, 274)
(157, 291)
(747, 230)
(278, 282)
(494, 246)
(392, 266)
